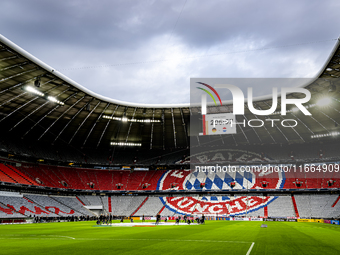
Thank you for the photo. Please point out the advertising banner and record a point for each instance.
(222, 218)
(304, 220)
(148, 218)
(311, 220)
(336, 222)
(256, 219)
(240, 219)
(141, 169)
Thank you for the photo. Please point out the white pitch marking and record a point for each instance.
(165, 240)
(30, 238)
(251, 247)
(126, 239)
(62, 236)
(35, 237)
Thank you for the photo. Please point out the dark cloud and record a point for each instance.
(78, 33)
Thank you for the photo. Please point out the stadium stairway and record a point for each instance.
(109, 204)
(9, 212)
(140, 186)
(104, 203)
(61, 202)
(13, 175)
(152, 179)
(81, 179)
(80, 201)
(55, 180)
(72, 202)
(49, 204)
(23, 206)
(336, 201)
(161, 210)
(70, 177)
(151, 207)
(295, 207)
(92, 177)
(25, 178)
(135, 180)
(5, 178)
(266, 211)
(40, 205)
(33, 173)
(140, 206)
(149, 178)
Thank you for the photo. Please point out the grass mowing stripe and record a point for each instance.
(165, 240)
(118, 239)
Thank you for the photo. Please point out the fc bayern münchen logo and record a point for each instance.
(221, 205)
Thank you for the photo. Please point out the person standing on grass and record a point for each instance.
(177, 220)
(143, 218)
(203, 219)
(158, 218)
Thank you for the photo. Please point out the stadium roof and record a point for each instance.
(39, 103)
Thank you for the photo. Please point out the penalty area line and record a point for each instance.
(251, 247)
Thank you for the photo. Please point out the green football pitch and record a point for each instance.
(215, 237)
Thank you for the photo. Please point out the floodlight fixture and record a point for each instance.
(34, 91)
(324, 101)
(126, 144)
(53, 99)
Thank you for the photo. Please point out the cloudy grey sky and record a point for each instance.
(146, 51)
